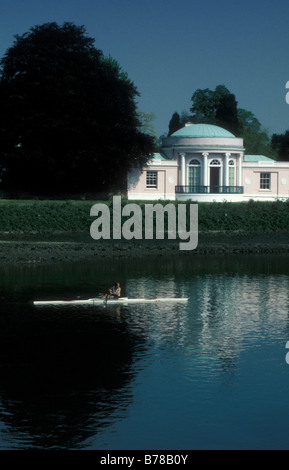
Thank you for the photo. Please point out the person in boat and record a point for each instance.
(113, 292)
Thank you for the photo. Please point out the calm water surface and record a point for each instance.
(209, 374)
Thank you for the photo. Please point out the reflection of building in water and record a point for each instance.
(224, 313)
(162, 323)
(151, 287)
(234, 311)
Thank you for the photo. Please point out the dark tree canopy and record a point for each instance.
(68, 115)
(175, 123)
(280, 142)
(227, 114)
(178, 121)
(216, 107)
(205, 104)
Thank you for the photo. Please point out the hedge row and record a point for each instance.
(67, 216)
(44, 216)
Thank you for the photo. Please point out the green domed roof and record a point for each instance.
(202, 130)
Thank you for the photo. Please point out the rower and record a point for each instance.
(114, 291)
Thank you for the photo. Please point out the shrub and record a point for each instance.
(74, 216)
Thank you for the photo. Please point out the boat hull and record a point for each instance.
(99, 301)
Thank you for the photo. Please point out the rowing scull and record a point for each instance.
(100, 301)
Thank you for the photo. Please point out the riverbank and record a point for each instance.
(37, 232)
(70, 247)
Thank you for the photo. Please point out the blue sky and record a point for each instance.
(170, 48)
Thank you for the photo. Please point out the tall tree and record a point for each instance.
(175, 123)
(280, 142)
(227, 113)
(256, 139)
(205, 104)
(68, 115)
(147, 123)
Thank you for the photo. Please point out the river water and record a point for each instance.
(209, 374)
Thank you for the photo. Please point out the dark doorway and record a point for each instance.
(214, 179)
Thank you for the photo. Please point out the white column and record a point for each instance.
(226, 170)
(240, 169)
(205, 169)
(221, 179)
(183, 169)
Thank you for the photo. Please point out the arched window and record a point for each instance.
(231, 164)
(215, 162)
(194, 173)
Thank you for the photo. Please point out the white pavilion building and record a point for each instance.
(203, 162)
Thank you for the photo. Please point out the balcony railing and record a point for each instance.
(209, 189)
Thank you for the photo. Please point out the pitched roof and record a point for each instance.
(159, 156)
(257, 158)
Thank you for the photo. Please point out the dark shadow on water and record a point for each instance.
(62, 376)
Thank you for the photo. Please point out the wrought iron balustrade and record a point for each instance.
(209, 189)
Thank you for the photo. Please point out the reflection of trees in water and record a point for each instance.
(63, 376)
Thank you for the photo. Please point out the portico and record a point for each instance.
(210, 172)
